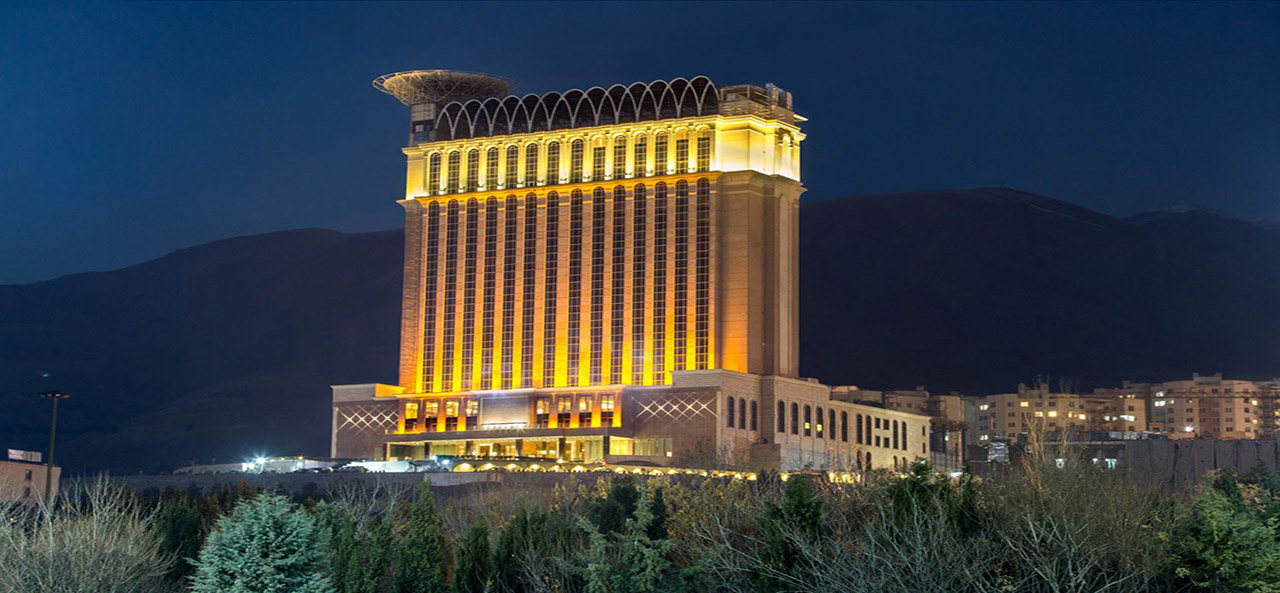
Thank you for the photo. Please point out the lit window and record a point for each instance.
(473, 407)
(1024, 404)
(606, 403)
(1051, 414)
(451, 408)
(584, 404)
(411, 411)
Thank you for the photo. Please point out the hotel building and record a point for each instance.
(606, 275)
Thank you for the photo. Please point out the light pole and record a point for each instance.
(53, 431)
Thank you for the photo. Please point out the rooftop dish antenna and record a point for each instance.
(437, 87)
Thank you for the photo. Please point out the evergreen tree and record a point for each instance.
(799, 514)
(263, 546)
(611, 512)
(425, 555)
(658, 526)
(1226, 545)
(179, 527)
(376, 552)
(630, 561)
(506, 564)
(475, 566)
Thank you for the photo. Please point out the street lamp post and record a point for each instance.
(53, 431)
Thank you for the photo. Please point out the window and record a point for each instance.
(597, 285)
(491, 169)
(742, 413)
(433, 174)
(619, 156)
(808, 421)
(551, 272)
(553, 163)
(512, 167)
(795, 418)
(660, 154)
(704, 151)
(702, 278)
(844, 427)
(431, 265)
(449, 313)
(857, 425)
(573, 339)
(659, 282)
(831, 424)
(618, 278)
(597, 163)
(682, 155)
(782, 417)
(531, 165)
(639, 222)
(575, 162)
(640, 156)
(473, 170)
(455, 166)
(753, 415)
(731, 410)
(680, 278)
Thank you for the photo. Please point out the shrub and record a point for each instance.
(263, 546)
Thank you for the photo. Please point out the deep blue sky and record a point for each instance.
(130, 130)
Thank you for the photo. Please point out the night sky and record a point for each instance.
(130, 130)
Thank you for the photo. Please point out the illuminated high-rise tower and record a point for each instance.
(588, 273)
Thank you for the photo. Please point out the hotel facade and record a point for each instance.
(606, 276)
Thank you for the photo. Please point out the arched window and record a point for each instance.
(844, 427)
(640, 156)
(831, 424)
(491, 169)
(868, 421)
(704, 151)
(454, 171)
(818, 426)
(753, 415)
(742, 413)
(895, 434)
(531, 165)
(857, 429)
(795, 418)
(619, 156)
(731, 410)
(782, 417)
(433, 174)
(660, 153)
(473, 170)
(808, 421)
(553, 163)
(904, 436)
(512, 167)
(575, 161)
(682, 153)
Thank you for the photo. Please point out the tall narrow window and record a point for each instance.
(619, 156)
(895, 434)
(782, 418)
(639, 244)
(682, 155)
(573, 341)
(702, 279)
(808, 421)
(597, 163)
(431, 263)
(640, 156)
(449, 314)
(531, 165)
(904, 436)
(742, 413)
(433, 174)
(575, 162)
(831, 424)
(512, 167)
(529, 291)
(730, 411)
(553, 163)
(469, 265)
(488, 293)
(754, 414)
(660, 153)
(473, 170)
(509, 271)
(795, 418)
(455, 169)
(844, 427)
(659, 283)
(818, 426)
(551, 272)
(680, 280)
(857, 425)
(597, 285)
(704, 151)
(618, 281)
(491, 169)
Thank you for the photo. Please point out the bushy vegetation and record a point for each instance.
(1053, 527)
